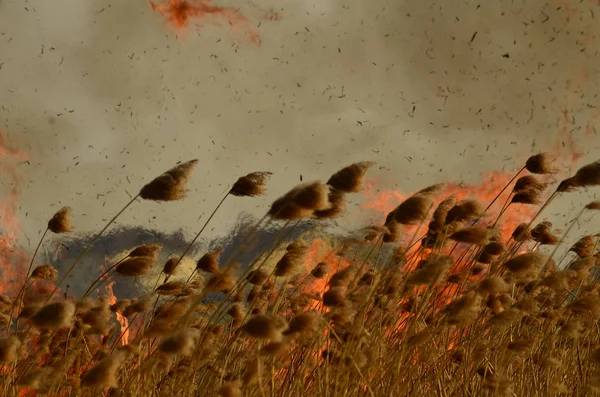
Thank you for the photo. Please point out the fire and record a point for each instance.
(492, 183)
(123, 322)
(14, 260)
(178, 14)
(322, 251)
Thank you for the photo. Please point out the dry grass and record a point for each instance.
(461, 311)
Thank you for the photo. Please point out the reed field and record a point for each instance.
(440, 299)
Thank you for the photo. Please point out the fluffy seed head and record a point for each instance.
(431, 270)
(304, 323)
(150, 250)
(522, 233)
(171, 288)
(320, 270)
(438, 220)
(495, 248)
(257, 277)
(527, 266)
(334, 297)
(493, 285)
(45, 272)
(250, 185)
(61, 221)
(528, 182)
(180, 342)
(221, 282)
(594, 205)
(263, 326)
(528, 196)
(9, 349)
(105, 373)
(540, 163)
(464, 211)
(54, 316)
(171, 265)
(170, 186)
(350, 179)
(301, 202)
(291, 260)
(135, 266)
(542, 234)
(473, 235)
(588, 175)
(584, 247)
(412, 211)
(209, 262)
(337, 205)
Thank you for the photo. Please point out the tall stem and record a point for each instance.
(189, 247)
(89, 246)
(16, 302)
(563, 239)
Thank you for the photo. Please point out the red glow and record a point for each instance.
(179, 13)
(123, 322)
(13, 259)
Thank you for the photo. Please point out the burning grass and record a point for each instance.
(443, 298)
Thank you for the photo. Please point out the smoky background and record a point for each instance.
(105, 95)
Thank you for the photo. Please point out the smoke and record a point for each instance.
(104, 96)
(119, 242)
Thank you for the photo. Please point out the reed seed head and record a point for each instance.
(412, 211)
(209, 262)
(149, 250)
(304, 323)
(463, 211)
(171, 265)
(438, 219)
(54, 316)
(320, 270)
(61, 221)
(528, 182)
(45, 272)
(171, 288)
(527, 196)
(337, 206)
(584, 247)
(493, 285)
(264, 326)
(477, 235)
(350, 179)
(588, 175)
(250, 185)
(291, 260)
(431, 270)
(594, 205)
(522, 233)
(105, 373)
(135, 266)
(527, 266)
(180, 342)
(257, 277)
(301, 202)
(9, 349)
(540, 163)
(221, 282)
(170, 186)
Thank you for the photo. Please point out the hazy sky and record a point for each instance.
(104, 95)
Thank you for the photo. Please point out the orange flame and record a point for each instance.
(179, 12)
(14, 259)
(123, 322)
